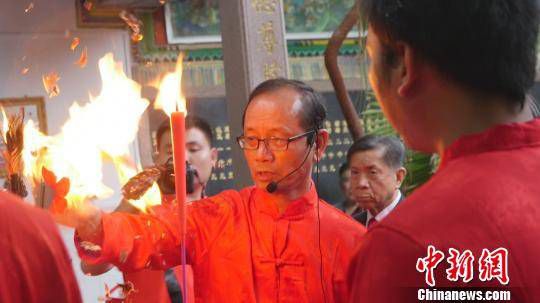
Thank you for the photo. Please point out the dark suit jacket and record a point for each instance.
(363, 215)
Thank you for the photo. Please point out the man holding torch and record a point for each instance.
(273, 242)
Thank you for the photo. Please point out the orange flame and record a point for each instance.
(5, 124)
(101, 129)
(74, 43)
(83, 59)
(126, 170)
(170, 97)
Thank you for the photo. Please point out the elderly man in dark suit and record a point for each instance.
(377, 172)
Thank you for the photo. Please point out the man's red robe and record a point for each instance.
(241, 248)
(150, 286)
(34, 264)
(485, 195)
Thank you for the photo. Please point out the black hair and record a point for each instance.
(342, 169)
(393, 149)
(192, 121)
(487, 46)
(313, 112)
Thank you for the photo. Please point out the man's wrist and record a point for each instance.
(91, 228)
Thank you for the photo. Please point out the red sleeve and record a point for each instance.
(384, 269)
(133, 242)
(34, 264)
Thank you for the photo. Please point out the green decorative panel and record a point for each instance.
(195, 22)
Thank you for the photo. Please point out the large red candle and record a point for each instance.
(178, 130)
(172, 101)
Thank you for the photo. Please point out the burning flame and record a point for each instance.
(101, 129)
(5, 124)
(170, 97)
(126, 169)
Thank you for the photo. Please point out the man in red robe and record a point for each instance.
(452, 77)
(34, 264)
(273, 242)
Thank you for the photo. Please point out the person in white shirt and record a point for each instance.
(377, 172)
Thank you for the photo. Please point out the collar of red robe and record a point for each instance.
(295, 210)
(496, 138)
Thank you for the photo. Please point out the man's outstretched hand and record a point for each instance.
(83, 216)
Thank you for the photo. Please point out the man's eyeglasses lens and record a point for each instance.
(274, 144)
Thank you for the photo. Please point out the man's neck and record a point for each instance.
(375, 211)
(195, 195)
(470, 116)
(284, 198)
(350, 207)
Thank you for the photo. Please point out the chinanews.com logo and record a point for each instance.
(491, 265)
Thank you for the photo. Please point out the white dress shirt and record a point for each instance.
(386, 210)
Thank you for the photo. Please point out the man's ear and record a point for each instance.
(400, 176)
(214, 156)
(408, 69)
(321, 142)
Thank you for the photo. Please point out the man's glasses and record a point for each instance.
(272, 143)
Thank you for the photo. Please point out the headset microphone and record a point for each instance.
(273, 186)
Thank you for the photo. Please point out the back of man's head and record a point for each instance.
(393, 149)
(487, 46)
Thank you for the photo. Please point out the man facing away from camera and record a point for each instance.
(35, 265)
(273, 242)
(452, 78)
